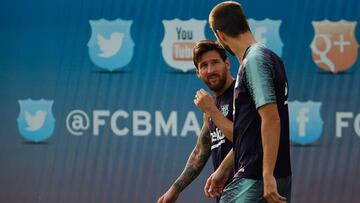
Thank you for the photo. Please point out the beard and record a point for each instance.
(220, 84)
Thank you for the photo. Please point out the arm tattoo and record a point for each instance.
(196, 161)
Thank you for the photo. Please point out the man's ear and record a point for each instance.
(220, 35)
(197, 71)
(227, 63)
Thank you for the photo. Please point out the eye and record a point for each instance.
(203, 66)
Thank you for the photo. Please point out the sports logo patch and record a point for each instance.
(306, 124)
(179, 40)
(225, 109)
(36, 122)
(111, 46)
(267, 32)
(334, 47)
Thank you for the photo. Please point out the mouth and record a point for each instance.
(213, 78)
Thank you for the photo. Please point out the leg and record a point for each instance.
(242, 190)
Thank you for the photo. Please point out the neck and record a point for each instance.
(228, 83)
(241, 43)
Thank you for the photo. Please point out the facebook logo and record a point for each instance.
(306, 124)
(267, 32)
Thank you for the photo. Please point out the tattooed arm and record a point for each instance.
(194, 165)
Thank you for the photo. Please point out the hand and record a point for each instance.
(204, 101)
(216, 183)
(169, 197)
(270, 190)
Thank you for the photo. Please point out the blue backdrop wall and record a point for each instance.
(97, 96)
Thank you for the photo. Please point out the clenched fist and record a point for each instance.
(204, 101)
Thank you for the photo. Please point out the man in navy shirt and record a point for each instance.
(212, 67)
(261, 122)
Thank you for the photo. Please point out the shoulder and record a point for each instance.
(258, 53)
(258, 61)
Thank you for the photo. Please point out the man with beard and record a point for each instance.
(261, 121)
(213, 68)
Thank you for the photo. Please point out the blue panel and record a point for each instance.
(123, 113)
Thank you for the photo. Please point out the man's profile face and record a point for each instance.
(212, 70)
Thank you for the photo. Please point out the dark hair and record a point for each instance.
(204, 46)
(229, 18)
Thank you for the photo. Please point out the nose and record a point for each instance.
(211, 68)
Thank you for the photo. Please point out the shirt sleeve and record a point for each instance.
(259, 79)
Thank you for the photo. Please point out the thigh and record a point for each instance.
(242, 190)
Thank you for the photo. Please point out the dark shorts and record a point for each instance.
(242, 190)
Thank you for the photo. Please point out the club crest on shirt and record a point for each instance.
(179, 40)
(225, 109)
(334, 46)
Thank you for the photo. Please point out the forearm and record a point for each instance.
(228, 163)
(224, 124)
(270, 135)
(194, 166)
(206, 104)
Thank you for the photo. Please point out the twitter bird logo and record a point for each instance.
(36, 122)
(110, 47)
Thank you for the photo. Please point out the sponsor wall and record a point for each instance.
(97, 96)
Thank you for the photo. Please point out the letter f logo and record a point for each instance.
(306, 124)
(302, 119)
